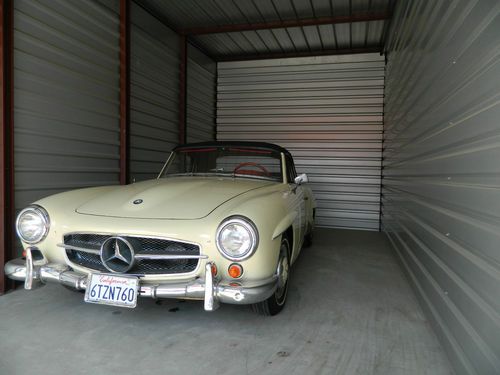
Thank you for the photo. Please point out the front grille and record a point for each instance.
(88, 244)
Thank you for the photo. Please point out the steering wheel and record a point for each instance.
(265, 172)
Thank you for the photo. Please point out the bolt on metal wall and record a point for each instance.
(441, 186)
(328, 111)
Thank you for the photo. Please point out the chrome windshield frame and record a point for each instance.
(281, 159)
(165, 165)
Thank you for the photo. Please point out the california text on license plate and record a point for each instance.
(112, 290)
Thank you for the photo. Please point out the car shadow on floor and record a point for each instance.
(349, 311)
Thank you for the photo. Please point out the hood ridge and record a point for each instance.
(179, 198)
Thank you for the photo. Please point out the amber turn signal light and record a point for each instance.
(214, 269)
(235, 270)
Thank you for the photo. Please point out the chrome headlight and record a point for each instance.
(33, 224)
(237, 238)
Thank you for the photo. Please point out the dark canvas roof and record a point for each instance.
(247, 144)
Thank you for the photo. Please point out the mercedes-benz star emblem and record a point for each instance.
(117, 254)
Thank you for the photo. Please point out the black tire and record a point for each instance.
(308, 238)
(274, 304)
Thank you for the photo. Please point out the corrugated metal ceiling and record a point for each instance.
(362, 36)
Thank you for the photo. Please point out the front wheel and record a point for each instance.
(274, 304)
(308, 238)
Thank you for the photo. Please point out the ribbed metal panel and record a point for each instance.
(441, 170)
(328, 112)
(66, 88)
(201, 95)
(195, 13)
(154, 93)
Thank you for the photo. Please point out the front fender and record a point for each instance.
(284, 224)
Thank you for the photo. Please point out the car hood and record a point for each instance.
(169, 198)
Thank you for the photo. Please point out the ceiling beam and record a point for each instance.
(362, 17)
(280, 55)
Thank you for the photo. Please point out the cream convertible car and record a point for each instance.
(223, 222)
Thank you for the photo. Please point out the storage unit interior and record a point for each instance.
(391, 107)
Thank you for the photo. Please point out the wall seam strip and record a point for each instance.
(124, 89)
(6, 141)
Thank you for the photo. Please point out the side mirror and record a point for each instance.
(301, 179)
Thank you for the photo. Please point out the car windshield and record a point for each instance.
(246, 162)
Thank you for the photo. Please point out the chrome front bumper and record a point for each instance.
(36, 273)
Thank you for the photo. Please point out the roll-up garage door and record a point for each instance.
(66, 97)
(328, 112)
(154, 93)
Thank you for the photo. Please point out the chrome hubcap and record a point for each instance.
(283, 272)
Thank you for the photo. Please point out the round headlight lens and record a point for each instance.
(237, 238)
(33, 224)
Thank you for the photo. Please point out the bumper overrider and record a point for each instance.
(38, 272)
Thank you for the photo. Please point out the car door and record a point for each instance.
(299, 200)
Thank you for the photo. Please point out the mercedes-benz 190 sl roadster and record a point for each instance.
(222, 222)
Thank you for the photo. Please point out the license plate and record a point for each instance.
(112, 290)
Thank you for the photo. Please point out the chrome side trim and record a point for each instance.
(84, 249)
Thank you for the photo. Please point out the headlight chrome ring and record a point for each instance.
(233, 229)
(37, 213)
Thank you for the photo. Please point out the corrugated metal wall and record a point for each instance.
(201, 96)
(154, 93)
(328, 112)
(441, 195)
(66, 97)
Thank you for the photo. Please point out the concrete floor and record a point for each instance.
(350, 311)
